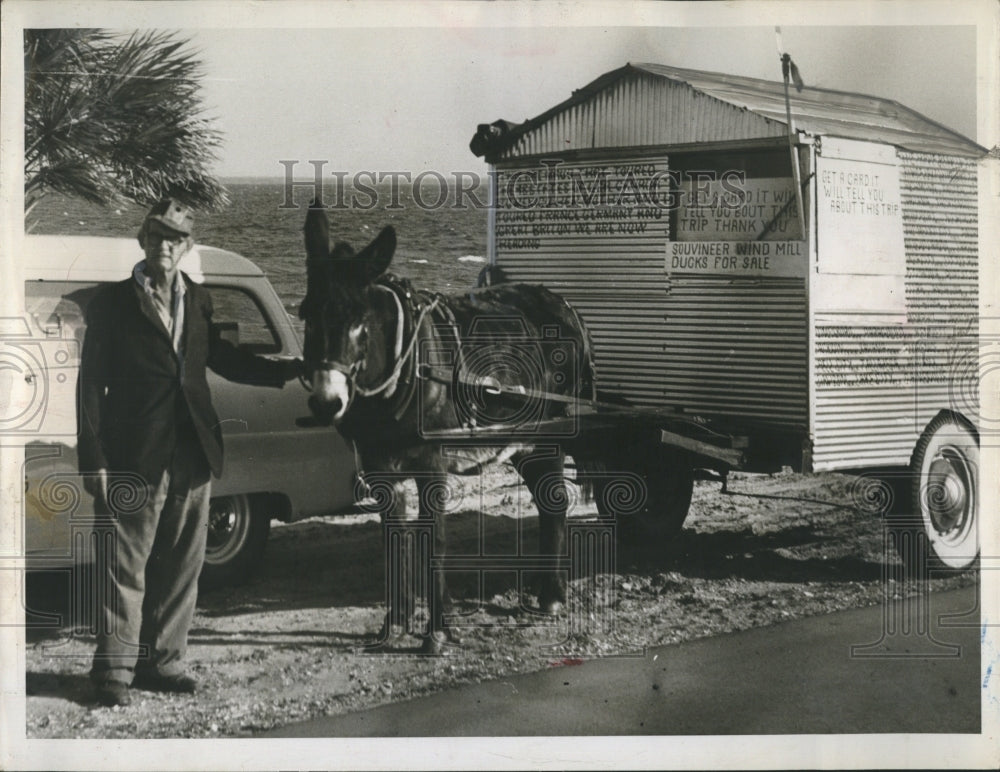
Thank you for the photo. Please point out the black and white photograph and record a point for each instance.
(499, 385)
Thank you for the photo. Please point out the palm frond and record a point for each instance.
(112, 119)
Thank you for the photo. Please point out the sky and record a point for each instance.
(410, 99)
(402, 86)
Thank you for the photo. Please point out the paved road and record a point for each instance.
(797, 677)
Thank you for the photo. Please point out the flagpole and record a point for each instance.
(786, 65)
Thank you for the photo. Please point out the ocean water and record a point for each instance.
(441, 249)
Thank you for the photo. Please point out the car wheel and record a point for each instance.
(235, 543)
(941, 530)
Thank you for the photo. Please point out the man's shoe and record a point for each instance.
(154, 682)
(113, 693)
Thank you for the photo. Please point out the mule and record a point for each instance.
(406, 374)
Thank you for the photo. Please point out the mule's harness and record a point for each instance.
(413, 307)
(402, 357)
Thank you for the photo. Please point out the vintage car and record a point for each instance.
(275, 468)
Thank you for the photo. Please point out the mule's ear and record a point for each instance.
(377, 256)
(317, 231)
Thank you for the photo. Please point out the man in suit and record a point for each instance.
(149, 442)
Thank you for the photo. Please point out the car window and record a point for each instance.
(240, 320)
(57, 311)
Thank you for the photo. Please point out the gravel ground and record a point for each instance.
(289, 645)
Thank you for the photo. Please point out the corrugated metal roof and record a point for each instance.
(815, 111)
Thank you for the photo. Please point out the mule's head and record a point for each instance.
(345, 326)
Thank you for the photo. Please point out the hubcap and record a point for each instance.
(947, 495)
(226, 530)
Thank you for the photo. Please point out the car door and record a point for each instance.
(266, 448)
(46, 356)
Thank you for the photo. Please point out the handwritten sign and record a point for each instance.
(737, 258)
(859, 217)
(555, 203)
(730, 208)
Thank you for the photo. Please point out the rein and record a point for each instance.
(402, 357)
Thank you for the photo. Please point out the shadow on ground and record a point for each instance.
(324, 563)
(66, 686)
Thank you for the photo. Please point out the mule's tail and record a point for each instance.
(591, 471)
(587, 472)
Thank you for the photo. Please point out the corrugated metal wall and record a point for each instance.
(741, 348)
(713, 345)
(941, 231)
(877, 386)
(615, 279)
(643, 110)
(738, 348)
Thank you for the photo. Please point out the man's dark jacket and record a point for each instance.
(133, 401)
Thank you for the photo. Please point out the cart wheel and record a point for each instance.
(668, 500)
(667, 481)
(943, 528)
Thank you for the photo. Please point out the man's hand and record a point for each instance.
(96, 484)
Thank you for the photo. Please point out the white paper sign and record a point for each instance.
(859, 218)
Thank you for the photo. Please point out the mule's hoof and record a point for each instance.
(386, 634)
(551, 607)
(435, 644)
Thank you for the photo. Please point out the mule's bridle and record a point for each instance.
(401, 355)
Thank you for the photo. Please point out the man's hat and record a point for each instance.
(174, 215)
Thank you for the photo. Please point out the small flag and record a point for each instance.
(787, 65)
